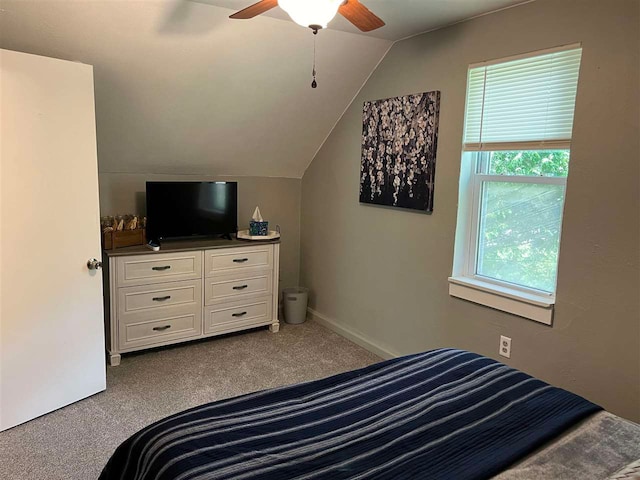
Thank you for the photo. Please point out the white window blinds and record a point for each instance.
(522, 103)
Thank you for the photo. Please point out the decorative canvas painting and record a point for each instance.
(399, 140)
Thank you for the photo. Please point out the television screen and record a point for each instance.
(189, 209)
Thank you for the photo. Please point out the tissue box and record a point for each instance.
(258, 228)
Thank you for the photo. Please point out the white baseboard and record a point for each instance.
(353, 335)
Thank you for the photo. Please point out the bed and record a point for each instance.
(442, 414)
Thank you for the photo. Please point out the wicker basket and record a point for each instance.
(123, 238)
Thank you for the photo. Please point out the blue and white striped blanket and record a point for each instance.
(443, 414)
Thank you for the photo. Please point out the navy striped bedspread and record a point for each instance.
(443, 414)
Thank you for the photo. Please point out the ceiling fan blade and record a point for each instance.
(360, 16)
(255, 9)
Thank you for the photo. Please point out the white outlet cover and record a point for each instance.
(505, 346)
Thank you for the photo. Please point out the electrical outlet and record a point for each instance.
(505, 346)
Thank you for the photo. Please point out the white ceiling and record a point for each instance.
(180, 88)
(403, 18)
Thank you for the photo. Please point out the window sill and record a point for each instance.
(528, 305)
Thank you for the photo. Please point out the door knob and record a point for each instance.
(94, 264)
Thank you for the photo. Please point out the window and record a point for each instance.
(515, 162)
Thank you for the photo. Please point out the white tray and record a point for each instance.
(244, 235)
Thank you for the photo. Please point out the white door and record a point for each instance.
(51, 327)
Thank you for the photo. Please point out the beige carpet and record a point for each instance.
(75, 442)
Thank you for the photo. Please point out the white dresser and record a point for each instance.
(189, 290)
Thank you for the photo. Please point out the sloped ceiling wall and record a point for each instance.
(181, 89)
(403, 18)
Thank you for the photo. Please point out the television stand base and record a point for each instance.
(197, 267)
(114, 359)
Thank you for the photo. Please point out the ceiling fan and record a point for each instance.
(316, 14)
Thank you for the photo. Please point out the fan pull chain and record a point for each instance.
(314, 84)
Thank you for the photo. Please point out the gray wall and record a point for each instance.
(278, 199)
(382, 273)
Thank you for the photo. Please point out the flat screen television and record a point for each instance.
(178, 210)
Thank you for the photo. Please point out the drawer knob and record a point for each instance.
(241, 314)
(240, 260)
(161, 299)
(161, 269)
(240, 287)
(161, 329)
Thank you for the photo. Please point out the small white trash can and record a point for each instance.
(295, 304)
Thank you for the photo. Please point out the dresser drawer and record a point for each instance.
(236, 287)
(143, 298)
(146, 269)
(242, 259)
(162, 330)
(228, 315)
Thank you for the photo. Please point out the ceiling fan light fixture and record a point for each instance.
(311, 13)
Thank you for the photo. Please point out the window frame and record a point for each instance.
(465, 282)
(478, 179)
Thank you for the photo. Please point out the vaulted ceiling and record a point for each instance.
(403, 18)
(180, 88)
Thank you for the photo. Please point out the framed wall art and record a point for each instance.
(399, 143)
